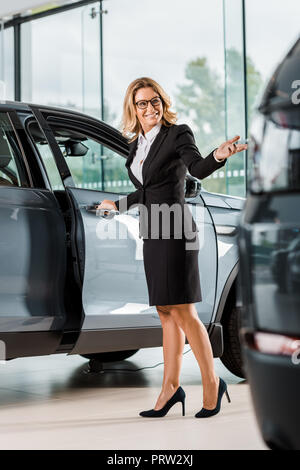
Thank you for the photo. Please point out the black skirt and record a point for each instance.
(172, 270)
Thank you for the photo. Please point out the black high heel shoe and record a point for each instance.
(179, 395)
(204, 413)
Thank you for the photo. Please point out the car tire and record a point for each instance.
(113, 356)
(232, 356)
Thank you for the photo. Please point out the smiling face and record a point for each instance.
(151, 115)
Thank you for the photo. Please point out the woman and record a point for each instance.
(160, 153)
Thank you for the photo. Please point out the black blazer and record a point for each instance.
(172, 152)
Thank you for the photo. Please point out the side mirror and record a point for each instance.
(75, 148)
(192, 187)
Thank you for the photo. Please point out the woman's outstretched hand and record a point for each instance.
(229, 148)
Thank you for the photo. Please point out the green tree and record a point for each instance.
(202, 102)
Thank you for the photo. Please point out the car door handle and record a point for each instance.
(104, 213)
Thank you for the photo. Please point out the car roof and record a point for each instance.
(23, 106)
(26, 107)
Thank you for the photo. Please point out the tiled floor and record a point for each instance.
(52, 403)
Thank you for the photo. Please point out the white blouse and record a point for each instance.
(143, 147)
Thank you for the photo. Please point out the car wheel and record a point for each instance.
(232, 355)
(112, 356)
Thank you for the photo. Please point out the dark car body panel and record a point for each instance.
(270, 259)
(273, 310)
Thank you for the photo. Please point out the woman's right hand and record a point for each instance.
(107, 204)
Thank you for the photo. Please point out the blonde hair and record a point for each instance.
(130, 123)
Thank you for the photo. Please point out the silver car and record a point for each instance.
(66, 284)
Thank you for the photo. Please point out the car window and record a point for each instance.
(274, 144)
(9, 150)
(92, 164)
(276, 159)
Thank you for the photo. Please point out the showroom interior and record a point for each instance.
(214, 59)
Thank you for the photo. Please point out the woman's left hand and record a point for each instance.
(229, 148)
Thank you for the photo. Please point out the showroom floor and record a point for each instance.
(52, 402)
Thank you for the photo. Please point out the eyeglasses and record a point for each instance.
(143, 104)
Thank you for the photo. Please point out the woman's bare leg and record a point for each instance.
(186, 317)
(173, 345)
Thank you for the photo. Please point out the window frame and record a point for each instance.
(92, 130)
(95, 129)
(19, 154)
(27, 123)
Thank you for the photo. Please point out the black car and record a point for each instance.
(72, 282)
(269, 236)
(284, 266)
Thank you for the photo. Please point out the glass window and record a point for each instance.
(61, 60)
(181, 46)
(7, 82)
(11, 173)
(234, 93)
